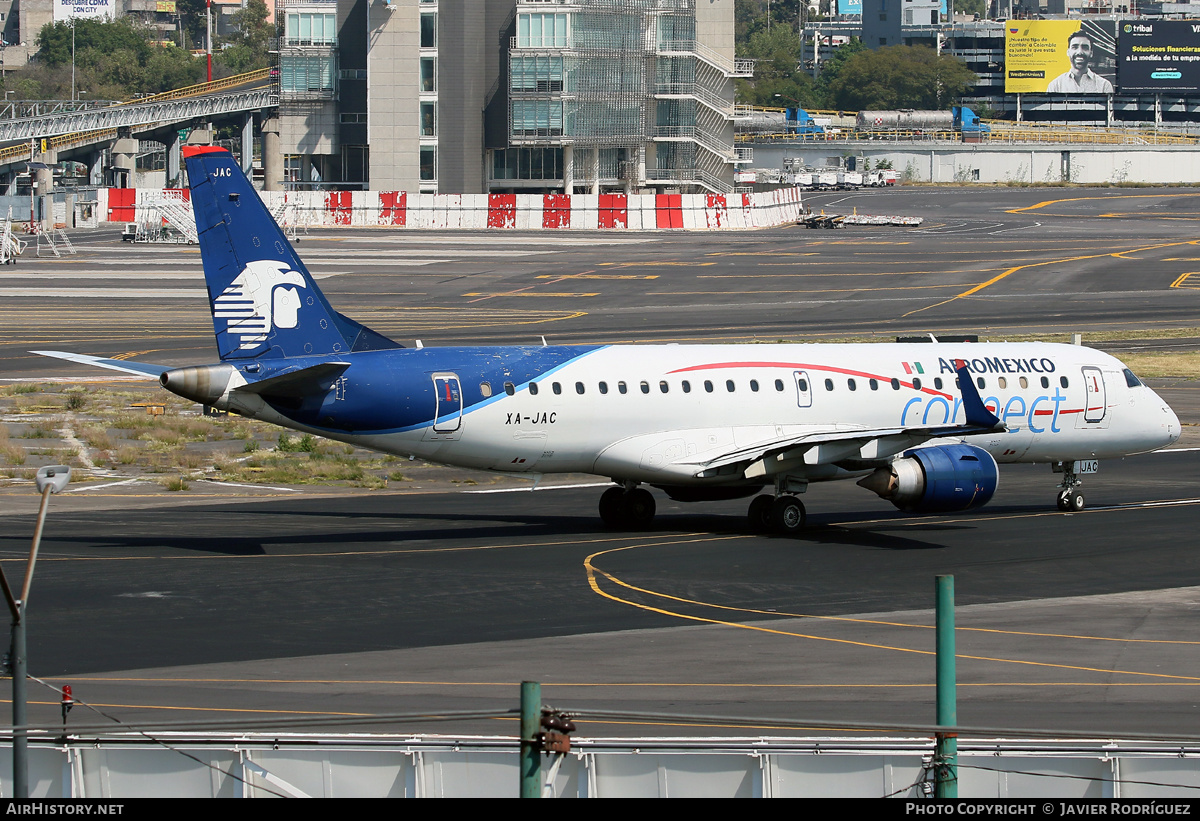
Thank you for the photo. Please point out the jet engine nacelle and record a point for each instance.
(937, 479)
(204, 383)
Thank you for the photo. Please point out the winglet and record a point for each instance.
(977, 412)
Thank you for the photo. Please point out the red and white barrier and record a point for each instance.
(525, 212)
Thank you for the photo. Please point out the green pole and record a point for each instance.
(531, 721)
(946, 759)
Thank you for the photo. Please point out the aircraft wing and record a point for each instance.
(140, 368)
(829, 446)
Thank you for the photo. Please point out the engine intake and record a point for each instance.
(939, 479)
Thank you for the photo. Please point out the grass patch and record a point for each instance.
(1173, 364)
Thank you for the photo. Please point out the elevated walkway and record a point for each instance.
(238, 94)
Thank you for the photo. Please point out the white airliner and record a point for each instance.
(921, 425)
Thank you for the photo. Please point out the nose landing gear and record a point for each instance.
(1070, 497)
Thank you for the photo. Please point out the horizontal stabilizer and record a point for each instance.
(140, 368)
(299, 383)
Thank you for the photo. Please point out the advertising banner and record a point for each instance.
(1159, 55)
(1059, 56)
(855, 6)
(65, 10)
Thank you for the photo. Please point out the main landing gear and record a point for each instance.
(1070, 497)
(629, 508)
(783, 515)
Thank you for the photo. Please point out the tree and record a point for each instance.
(832, 67)
(776, 70)
(113, 61)
(253, 30)
(900, 77)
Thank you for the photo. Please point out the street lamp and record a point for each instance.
(50, 479)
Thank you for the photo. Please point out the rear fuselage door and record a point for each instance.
(449, 404)
(803, 389)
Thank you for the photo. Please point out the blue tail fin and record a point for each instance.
(265, 304)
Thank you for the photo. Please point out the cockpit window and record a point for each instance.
(1131, 380)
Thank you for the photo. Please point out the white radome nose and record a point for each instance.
(1173, 429)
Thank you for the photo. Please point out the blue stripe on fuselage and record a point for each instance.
(392, 391)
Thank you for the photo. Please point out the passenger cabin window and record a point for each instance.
(937, 382)
(1002, 382)
(603, 387)
(708, 386)
(556, 387)
(663, 387)
(622, 387)
(729, 385)
(828, 384)
(754, 385)
(916, 384)
(851, 384)
(981, 382)
(645, 387)
(485, 388)
(510, 388)
(1024, 382)
(874, 383)
(579, 388)
(802, 385)
(686, 385)
(533, 388)
(1045, 382)
(895, 384)
(779, 385)
(1062, 380)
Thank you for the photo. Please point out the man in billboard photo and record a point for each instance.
(1080, 79)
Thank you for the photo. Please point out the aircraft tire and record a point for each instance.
(1075, 501)
(610, 506)
(1064, 503)
(637, 509)
(787, 515)
(760, 513)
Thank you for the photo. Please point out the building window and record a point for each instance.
(542, 31)
(428, 120)
(527, 164)
(428, 31)
(428, 163)
(537, 118)
(306, 72)
(307, 29)
(428, 75)
(537, 73)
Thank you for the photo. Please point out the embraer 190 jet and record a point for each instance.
(924, 426)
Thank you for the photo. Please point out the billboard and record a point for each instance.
(1059, 56)
(65, 10)
(1163, 55)
(855, 6)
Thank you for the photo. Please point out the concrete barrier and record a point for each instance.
(526, 212)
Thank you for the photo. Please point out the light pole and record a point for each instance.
(72, 59)
(50, 479)
(208, 48)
